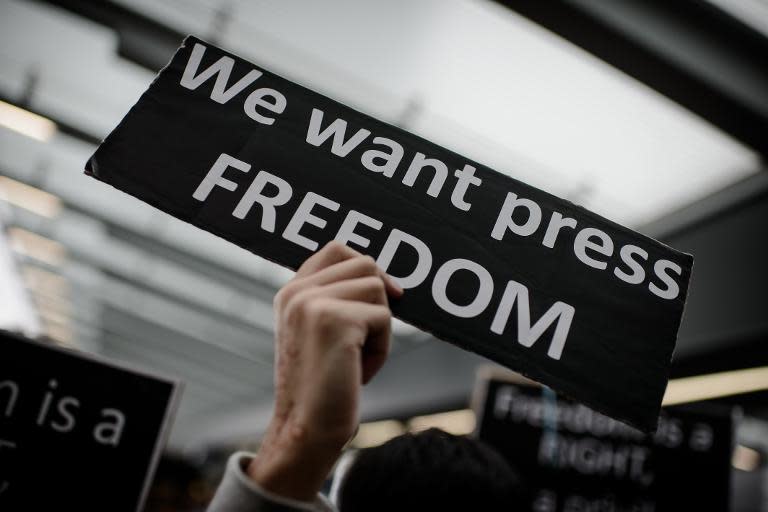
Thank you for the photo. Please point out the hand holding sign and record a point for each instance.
(333, 329)
(492, 265)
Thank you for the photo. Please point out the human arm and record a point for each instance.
(332, 330)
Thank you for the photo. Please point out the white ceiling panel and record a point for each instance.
(493, 86)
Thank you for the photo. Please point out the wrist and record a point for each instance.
(293, 464)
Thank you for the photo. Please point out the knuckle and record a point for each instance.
(368, 264)
(295, 308)
(376, 286)
(383, 314)
(315, 309)
(335, 247)
(352, 347)
(318, 312)
(386, 313)
(284, 295)
(280, 298)
(323, 319)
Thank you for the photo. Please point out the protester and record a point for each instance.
(332, 330)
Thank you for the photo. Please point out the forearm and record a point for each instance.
(333, 325)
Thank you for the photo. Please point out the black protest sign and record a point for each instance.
(574, 459)
(489, 263)
(76, 433)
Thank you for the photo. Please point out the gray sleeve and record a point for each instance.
(238, 493)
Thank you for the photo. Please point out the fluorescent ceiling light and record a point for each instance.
(40, 280)
(60, 333)
(37, 247)
(26, 123)
(30, 198)
(716, 385)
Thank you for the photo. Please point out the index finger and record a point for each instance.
(333, 252)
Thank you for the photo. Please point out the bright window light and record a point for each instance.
(532, 105)
(471, 75)
(492, 85)
(26, 123)
(16, 312)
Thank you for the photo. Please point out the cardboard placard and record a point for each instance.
(77, 432)
(490, 264)
(573, 459)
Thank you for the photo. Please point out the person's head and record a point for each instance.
(430, 470)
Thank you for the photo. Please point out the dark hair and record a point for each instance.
(430, 470)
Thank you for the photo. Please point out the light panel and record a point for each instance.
(37, 247)
(30, 198)
(26, 123)
(716, 385)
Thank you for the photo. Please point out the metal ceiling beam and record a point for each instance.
(169, 352)
(127, 289)
(148, 229)
(61, 125)
(140, 38)
(688, 50)
(737, 195)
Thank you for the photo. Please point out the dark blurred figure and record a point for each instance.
(179, 486)
(430, 470)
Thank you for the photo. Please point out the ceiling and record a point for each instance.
(112, 275)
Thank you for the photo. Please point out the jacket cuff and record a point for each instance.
(238, 493)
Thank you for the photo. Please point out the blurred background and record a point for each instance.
(651, 113)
